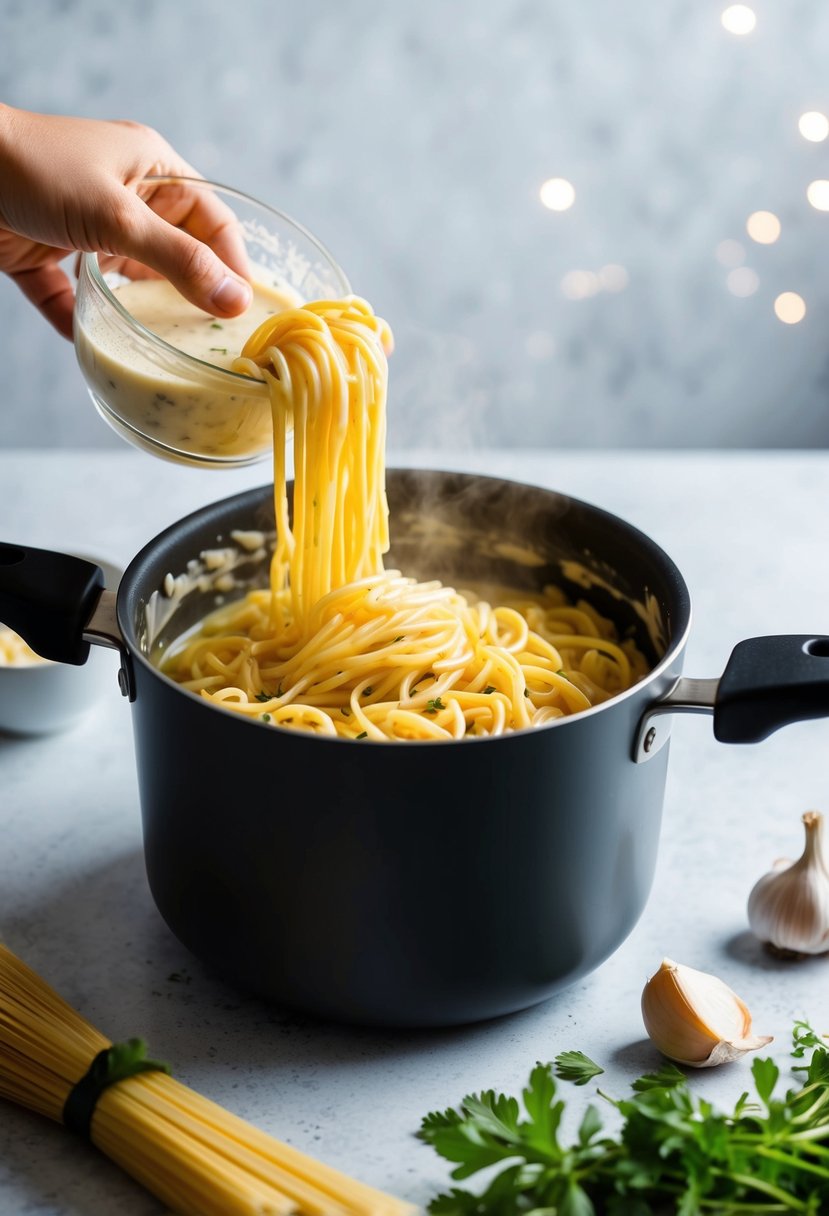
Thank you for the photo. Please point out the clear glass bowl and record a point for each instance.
(173, 404)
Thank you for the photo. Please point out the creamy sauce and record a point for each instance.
(173, 409)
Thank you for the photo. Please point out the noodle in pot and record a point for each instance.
(338, 645)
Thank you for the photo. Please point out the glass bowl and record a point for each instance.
(174, 404)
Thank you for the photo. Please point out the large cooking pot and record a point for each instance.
(407, 884)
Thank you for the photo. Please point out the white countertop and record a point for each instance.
(749, 533)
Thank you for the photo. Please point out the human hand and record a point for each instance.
(78, 184)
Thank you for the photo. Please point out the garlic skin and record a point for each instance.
(789, 906)
(695, 1019)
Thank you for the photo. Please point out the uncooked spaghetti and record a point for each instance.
(336, 644)
(195, 1156)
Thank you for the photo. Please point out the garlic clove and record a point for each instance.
(696, 1019)
(789, 906)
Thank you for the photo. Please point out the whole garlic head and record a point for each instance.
(695, 1019)
(789, 906)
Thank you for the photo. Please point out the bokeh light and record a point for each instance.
(613, 277)
(557, 194)
(580, 284)
(813, 126)
(730, 253)
(763, 227)
(742, 281)
(790, 308)
(739, 19)
(818, 195)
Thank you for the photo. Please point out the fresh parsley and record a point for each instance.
(675, 1155)
(432, 706)
(263, 696)
(575, 1066)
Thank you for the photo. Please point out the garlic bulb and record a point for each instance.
(696, 1019)
(789, 906)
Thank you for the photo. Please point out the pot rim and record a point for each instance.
(674, 648)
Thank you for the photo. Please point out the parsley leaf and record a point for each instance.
(575, 1066)
(434, 705)
(674, 1154)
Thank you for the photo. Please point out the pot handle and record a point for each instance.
(49, 599)
(768, 682)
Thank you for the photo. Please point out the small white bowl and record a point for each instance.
(42, 698)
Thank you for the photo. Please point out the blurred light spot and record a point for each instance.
(738, 19)
(579, 284)
(730, 253)
(742, 282)
(613, 277)
(558, 194)
(539, 345)
(790, 308)
(813, 126)
(763, 227)
(818, 195)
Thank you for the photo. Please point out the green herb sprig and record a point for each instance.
(674, 1156)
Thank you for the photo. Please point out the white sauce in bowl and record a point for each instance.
(178, 408)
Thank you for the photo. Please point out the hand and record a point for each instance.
(77, 184)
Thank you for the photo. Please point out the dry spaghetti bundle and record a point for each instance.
(340, 646)
(195, 1156)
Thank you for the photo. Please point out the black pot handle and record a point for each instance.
(48, 598)
(768, 682)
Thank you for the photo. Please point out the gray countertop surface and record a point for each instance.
(749, 533)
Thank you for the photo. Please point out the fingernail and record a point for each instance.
(232, 296)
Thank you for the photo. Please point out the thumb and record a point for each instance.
(190, 265)
(50, 290)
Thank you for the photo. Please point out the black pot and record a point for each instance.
(409, 884)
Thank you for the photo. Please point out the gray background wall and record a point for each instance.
(412, 138)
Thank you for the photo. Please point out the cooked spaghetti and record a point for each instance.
(195, 1156)
(340, 646)
(14, 652)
